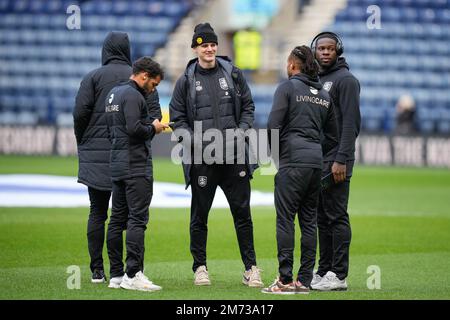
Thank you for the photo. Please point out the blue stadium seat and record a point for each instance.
(435, 31)
(8, 118)
(443, 122)
(64, 119)
(425, 120)
(4, 5)
(443, 16)
(121, 7)
(27, 118)
(409, 14)
(410, 53)
(372, 118)
(20, 6)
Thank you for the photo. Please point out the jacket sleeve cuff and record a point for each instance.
(152, 130)
(341, 158)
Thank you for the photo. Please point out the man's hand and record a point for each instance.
(339, 172)
(159, 127)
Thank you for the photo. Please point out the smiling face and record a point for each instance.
(326, 52)
(206, 53)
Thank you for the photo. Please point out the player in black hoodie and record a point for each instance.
(333, 220)
(130, 131)
(213, 92)
(302, 111)
(92, 138)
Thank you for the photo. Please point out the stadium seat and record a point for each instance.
(27, 118)
(8, 118)
(411, 52)
(64, 119)
(43, 58)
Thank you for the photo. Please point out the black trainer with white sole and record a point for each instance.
(98, 276)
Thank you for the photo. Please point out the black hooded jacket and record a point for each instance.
(302, 111)
(185, 109)
(344, 90)
(89, 112)
(130, 132)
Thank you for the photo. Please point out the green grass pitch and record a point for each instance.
(400, 221)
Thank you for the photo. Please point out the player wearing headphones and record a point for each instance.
(332, 217)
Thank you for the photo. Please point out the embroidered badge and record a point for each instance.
(202, 181)
(223, 83)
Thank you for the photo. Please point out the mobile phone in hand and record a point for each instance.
(327, 181)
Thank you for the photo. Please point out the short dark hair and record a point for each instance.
(147, 64)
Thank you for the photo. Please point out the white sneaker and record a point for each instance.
(201, 277)
(330, 282)
(315, 280)
(140, 282)
(252, 277)
(115, 282)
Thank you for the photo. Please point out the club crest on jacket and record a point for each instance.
(327, 85)
(202, 181)
(223, 83)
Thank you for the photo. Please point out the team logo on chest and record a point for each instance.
(223, 83)
(327, 85)
(313, 90)
(202, 181)
(198, 86)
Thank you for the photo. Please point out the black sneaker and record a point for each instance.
(98, 276)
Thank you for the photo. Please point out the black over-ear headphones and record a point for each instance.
(339, 44)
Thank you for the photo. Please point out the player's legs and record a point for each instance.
(290, 186)
(96, 226)
(139, 192)
(341, 230)
(324, 213)
(117, 224)
(308, 227)
(203, 186)
(235, 184)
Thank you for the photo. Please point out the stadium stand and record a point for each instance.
(410, 54)
(42, 61)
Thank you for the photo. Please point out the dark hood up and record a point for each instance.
(116, 47)
(90, 127)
